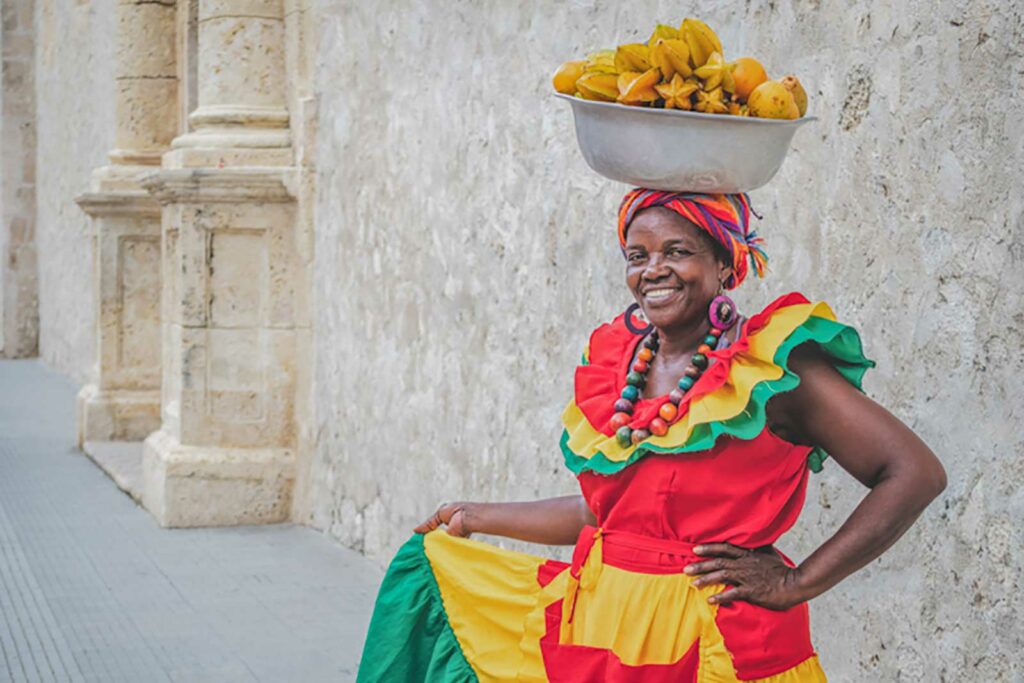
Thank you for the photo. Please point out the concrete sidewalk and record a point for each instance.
(91, 589)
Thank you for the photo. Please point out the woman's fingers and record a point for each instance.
(720, 576)
(706, 566)
(729, 595)
(441, 516)
(457, 524)
(720, 550)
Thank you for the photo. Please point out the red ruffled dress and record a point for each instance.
(458, 610)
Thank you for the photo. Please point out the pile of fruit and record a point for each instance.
(682, 68)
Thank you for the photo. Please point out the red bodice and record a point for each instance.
(743, 492)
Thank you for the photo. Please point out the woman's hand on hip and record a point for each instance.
(759, 577)
(453, 516)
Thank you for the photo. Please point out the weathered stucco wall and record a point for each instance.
(75, 104)
(19, 321)
(464, 251)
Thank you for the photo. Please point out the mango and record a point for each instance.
(772, 100)
(792, 84)
(748, 73)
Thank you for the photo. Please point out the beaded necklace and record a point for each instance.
(722, 314)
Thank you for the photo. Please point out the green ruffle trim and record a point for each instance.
(410, 639)
(841, 344)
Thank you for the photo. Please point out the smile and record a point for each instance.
(660, 294)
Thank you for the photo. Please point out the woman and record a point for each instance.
(692, 440)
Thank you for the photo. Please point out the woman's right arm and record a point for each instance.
(553, 521)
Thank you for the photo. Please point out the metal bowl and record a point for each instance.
(681, 151)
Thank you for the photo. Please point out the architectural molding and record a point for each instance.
(216, 185)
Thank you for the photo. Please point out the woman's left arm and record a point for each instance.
(868, 442)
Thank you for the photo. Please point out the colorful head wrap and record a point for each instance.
(726, 217)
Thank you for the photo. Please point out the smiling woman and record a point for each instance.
(692, 440)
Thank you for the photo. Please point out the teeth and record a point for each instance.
(659, 293)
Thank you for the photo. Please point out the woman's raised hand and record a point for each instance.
(453, 516)
(759, 577)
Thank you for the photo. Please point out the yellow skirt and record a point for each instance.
(453, 609)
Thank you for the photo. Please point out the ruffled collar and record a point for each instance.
(612, 348)
(728, 399)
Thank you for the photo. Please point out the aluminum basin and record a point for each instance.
(681, 151)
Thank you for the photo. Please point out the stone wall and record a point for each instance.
(19, 320)
(464, 251)
(75, 102)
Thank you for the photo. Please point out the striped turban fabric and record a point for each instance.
(725, 217)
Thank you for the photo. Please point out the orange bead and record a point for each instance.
(704, 348)
(645, 354)
(668, 411)
(658, 426)
(619, 420)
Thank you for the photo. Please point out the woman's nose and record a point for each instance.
(655, 267)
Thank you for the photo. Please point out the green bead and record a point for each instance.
(630, 392)
(685, 383)
(624, 435)
(635, 379)
(699, 360)
(711, 340)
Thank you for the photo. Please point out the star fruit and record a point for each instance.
(661, 31)
(716, 72)
(677, 93)
(598, 86)
(602, 61)
(633, 57)
(565, 78)
(710, 102)
(701, 40)
(638, 88)
(672, 56)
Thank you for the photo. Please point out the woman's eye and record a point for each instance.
(635, 258)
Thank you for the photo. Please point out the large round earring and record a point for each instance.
(722, 312)
(631, 326)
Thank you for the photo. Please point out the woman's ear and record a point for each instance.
(725, 273)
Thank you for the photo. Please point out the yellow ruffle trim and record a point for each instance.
(747, 369)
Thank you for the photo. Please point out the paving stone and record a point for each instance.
(91, 589)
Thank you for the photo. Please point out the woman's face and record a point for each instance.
(671, 268)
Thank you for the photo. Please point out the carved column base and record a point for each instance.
(196, 486)
(116, 415)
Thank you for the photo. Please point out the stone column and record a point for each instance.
(225, 452)
(242, 113)
(123, 403)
